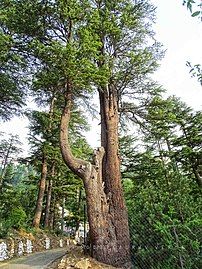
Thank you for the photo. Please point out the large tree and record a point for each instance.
(124, 63)
(82, 47)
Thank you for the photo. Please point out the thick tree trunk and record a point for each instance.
(120, 241)
(107, 215)
(48, 199)
(42, 186)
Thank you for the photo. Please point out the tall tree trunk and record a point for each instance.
(42, 186)
(52, 212)
(107, 215)
(63, 215)
(78, 208)
(49, 195)
(112, 176)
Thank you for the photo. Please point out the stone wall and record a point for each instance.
(16, 247)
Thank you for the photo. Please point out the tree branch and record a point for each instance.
(78, 166)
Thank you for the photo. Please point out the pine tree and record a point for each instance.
(80, 47)
(9, 149)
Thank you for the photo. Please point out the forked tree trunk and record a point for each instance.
(42, 186)
(107, 215)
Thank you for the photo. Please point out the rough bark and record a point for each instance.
(112, 175)
(42, 186)
(107, 215)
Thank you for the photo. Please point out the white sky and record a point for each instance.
(181, 36)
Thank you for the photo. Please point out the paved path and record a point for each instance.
(37, 260)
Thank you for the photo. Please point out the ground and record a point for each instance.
(39, 260)
(76, 259)
(66, 258)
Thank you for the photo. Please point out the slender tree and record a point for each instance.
(44, 169)
(49, 196)
(9, 148)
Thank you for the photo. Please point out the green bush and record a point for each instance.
(17, 218)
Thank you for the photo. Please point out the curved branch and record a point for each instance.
(78, 166)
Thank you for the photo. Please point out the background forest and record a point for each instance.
(161, 161)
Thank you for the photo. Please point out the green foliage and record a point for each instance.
(17, 218)
(88, 44)
(164, 216)
(190, 4)
(164, 202)
(196, 71)
(12, 81)
(17, 198)
(9, 149)
(44, 139)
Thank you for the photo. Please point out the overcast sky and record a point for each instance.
(181, 36)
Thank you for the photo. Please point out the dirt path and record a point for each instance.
(38, 260)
